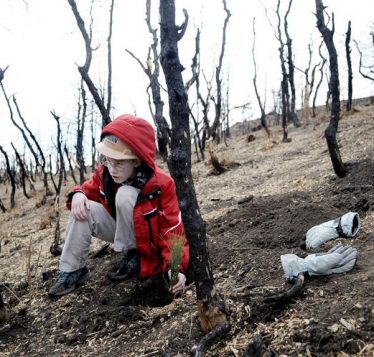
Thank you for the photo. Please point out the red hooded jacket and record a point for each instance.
(156, 213)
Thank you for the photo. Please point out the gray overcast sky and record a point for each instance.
(41, 44)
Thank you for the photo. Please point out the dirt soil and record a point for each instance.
(255, 212)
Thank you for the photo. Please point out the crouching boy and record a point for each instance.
(130, 202)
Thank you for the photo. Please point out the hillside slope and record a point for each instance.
(255, 212)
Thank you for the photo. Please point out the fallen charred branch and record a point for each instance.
(199, 349)
(263, 295)
(288, 293)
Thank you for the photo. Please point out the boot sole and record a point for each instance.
(118, 277)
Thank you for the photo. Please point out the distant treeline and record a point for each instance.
(274, 118)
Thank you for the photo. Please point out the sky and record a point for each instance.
(41, 44)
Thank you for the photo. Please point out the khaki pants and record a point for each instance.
(100, 224)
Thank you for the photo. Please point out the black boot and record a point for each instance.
(128, 268)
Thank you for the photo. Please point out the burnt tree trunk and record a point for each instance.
(284, 82)
(198, 143)
(218, 102)
(23, 171)
(81, 120)
(55, 248)
(11, 178)
(263, 115)
(211, 307)
(349, 64)
(320, 80)
(93, 124)
(205, 103)
(330, 132)
(291, 70)
(71, 168)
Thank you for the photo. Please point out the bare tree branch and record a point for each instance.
(182, 28)
(360, 63)
(83, 70)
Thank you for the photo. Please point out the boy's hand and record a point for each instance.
(79, 206)
(180, 285)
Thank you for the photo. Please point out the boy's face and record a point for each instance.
(121, 170)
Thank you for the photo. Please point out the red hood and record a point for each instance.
(136, 133)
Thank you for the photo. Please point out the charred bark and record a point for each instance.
(218, 101)
(291, 70)
(93, 124)
(284, 82)
(55, 248)
(214, 335)
(349, 64)
(328, 93)
(263, 115)
(211, 307)
(23, 171)
(320, 80)
(2, 72)
(71, 168)
(294, 290)
(198, 143)
(81, 120)
(330, 132)
(11, 178)
(205, 103)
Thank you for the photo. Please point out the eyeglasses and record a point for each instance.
(115, 164)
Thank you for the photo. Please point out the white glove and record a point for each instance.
(339, 259)
(347, 225)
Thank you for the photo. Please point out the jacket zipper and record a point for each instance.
(148, 217)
